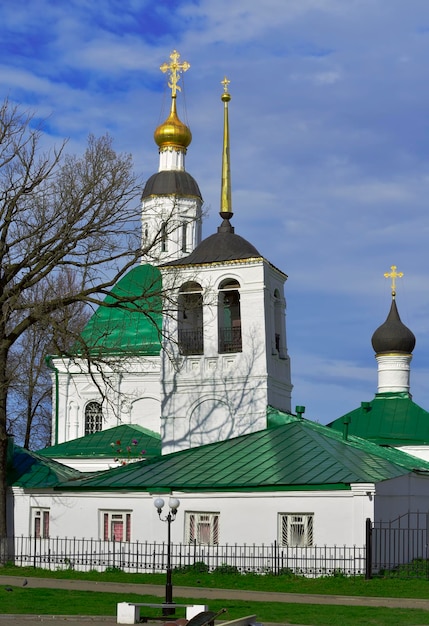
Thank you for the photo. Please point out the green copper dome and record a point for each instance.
(130, 319)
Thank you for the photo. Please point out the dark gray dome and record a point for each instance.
(393, 335)
(170, 182)
(224, 245)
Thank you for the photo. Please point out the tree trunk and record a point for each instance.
(3, 454)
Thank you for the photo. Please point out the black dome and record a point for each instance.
(393, 335)
(224, 245)
(170, 182)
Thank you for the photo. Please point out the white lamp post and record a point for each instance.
(174, 504)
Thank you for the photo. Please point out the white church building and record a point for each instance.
(195, 400)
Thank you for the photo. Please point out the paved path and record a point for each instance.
(183, 592)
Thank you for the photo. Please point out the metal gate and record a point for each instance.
(398, 547)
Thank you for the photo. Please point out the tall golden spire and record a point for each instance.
(225, 198)
(393, 275)
(173, 133)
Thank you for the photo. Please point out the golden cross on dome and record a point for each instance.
(393, 275)
(175, 68)
(225, 82)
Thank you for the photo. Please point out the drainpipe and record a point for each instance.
(51, 366)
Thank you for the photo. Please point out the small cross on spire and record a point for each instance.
(393, 275)
(225, 82)
(175, 69)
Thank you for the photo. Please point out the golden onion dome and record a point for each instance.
(173, 132)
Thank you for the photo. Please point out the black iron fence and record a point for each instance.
(91, 554)
(395, 548)
(398, 547)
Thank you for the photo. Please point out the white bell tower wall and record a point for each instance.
(219, 386)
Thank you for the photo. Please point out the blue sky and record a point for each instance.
(329, 146)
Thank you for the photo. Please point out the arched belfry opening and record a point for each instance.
(190, 318)
(229, 317)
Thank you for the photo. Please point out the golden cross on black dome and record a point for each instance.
(175, 68)
(393, 275)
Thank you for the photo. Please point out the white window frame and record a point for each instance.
(108, 518)
(295, 529)
(202, 527)
(40, 520)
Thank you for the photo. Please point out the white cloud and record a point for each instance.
(330, 158)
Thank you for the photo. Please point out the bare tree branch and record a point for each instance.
(69, 229)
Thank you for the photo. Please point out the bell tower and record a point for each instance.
(225, 357)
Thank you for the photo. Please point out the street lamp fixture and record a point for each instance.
(174, 504)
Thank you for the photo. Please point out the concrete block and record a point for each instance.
(195, 609)
(127, 613)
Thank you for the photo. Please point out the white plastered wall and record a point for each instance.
(339, 515)
(174, 212)
(130, 394)
(213, 396)
(400, 495)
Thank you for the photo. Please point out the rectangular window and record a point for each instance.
(116, 526)
(40, 523)
(296, 529)
(202, 528)
(163, 237)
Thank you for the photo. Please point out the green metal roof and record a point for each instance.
(296, 455)
(389, 419)
(130, 319)
(124, 441)
(30, 470)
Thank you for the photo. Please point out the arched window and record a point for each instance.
(190, 319)
(93, 418)
(229, 317)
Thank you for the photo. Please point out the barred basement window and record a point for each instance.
(40, 523)
(202, 528)
(296, 529)
(116, 526)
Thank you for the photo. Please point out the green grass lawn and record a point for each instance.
(336, 585)
(62, 602)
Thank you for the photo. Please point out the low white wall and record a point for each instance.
(339, 516)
